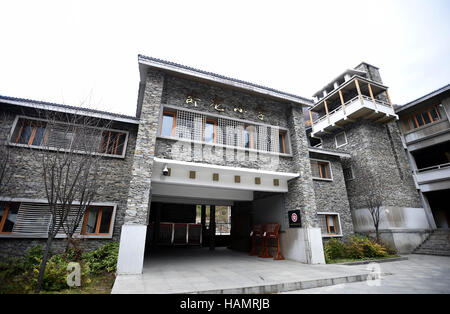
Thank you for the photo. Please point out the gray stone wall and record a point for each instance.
(301, 190)
(377, 149)
(139, 195)
(26, 182)
(276, 113)
(331, 196)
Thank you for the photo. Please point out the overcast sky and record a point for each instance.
(74, 51)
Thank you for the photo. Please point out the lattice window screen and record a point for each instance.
(190, 125)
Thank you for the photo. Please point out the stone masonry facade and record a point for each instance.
(26, 182)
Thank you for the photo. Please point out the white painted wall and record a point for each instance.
(131, 249)
(303, 245)
(391, 218)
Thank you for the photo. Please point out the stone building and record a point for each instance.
(202, 142)
(425, 128)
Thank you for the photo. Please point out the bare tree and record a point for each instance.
(69, 148)
(373, 200)
(5, 158)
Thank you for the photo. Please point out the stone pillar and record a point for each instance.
(132, 240)
(302, 244)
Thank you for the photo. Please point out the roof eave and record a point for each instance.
(80, 111)
(159, 64)
(423, 98)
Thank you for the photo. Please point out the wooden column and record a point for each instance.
(212, 227)
(311, 119)
(203, 221)
(373, 98)
(359, 91)
(326, 109)
(342, 101)
(389, 99)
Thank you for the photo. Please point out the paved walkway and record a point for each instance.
(419, 274)
(195, 270)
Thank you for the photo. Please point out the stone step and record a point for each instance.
(437, 243)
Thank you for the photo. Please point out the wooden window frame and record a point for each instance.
(35, 126)
(5, 216)
(334, 216)
(115, 142)
(283, 140)
(215, 130)
(319, 163)
(174, 116)
(99, 220)
(412, 118)
(248, 128)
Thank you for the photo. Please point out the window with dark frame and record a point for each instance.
(348, 174)
(97, 221)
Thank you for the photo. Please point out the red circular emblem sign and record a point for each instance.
(294, 217)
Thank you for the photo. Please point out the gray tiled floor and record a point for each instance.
(179, 270)
(418, 274)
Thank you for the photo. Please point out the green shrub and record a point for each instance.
(334, 249)
(33, 257)
(362, 247)
(103, 259)
(356, 247)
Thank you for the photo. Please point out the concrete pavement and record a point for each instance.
(198, 270)
(419, 274)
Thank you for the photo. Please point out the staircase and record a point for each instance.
(438, 243)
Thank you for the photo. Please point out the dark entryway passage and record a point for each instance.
(440, 207)
(185, 225)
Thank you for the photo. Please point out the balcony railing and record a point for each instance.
(437, 167)
(351, 108)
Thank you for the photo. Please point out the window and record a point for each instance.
(210, 132)
(112, 143)
(8, 216)
(320, 169)
(348, 174)
(247, 134)
(30, 132)
(64, 136)
(168, 124)
(329, 224)
(420, 119)
(97, 221)
(197, 126)
(341, 139)
(281, 138)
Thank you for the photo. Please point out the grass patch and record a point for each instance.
(98, 284)
(97, 268)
